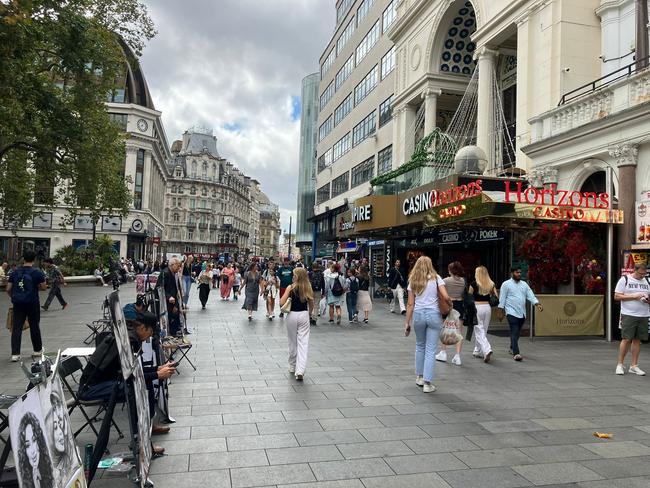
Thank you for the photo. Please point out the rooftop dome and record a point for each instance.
(470, 160)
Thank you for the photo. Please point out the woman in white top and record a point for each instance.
(425, 290)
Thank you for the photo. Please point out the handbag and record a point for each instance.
(286, 308)
(450, 333)
(494, 299)
(10, 320)
(443, 306)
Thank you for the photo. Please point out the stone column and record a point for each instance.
(129, 167)
(408, 116)
(485, 123)
(430, 97)
(625, 157)
(147, 190)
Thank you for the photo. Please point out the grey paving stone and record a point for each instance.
(423, 480)
(546, 474)
(480, 478)
(500, 427)
(333, 403)
(270, 475)
(510, 439)
(440, 444)
(618, 449)
(353, 412)
(171, 464)
(225, 460)
(493, 457)
(558, 454)
(356, 468)
(294, 455)
(564, 423)
(251, 418)
(191, 446)
(402, 420)
(388, 400)
(352, 423)
(208, 431)
(374, 449)
(214, 478)
(328, 437)
(450, 430)
(244, 443)
(317, 413)
(393, 433)
(640, 482)
(191, 421)
(277, 406)
(327, 484)
(289, 427)
(422, 408)
(424, 463)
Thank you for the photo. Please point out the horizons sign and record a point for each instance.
(434, 198)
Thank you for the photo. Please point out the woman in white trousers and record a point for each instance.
(482, 288)
(297, 321)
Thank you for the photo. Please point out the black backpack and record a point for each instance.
(22, 291)
(337, 288)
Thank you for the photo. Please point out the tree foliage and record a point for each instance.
(58, 60)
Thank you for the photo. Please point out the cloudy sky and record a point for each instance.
(236, 66)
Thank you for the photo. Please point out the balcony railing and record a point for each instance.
(410, 180)
(203, 226)
(578, 108)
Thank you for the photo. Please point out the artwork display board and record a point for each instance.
(45, 453)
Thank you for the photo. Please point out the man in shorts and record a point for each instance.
(633, 291)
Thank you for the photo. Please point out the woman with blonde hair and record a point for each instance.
(426, 289)
(297, 322)
(482, 288)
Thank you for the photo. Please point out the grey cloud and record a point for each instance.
(239, 61)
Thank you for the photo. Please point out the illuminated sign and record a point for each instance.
(434, 198)
(362, 213)
(455, 211)
(590, 215)
(554, 197)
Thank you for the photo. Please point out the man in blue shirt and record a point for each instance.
(23, 287)
(512, 298)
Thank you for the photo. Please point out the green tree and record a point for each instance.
(58, 60)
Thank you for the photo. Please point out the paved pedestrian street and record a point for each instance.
(358, 419)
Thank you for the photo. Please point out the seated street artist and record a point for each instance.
(103, 370)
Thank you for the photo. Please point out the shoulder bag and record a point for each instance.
(286, 308)
(494, 299)
(443, 305)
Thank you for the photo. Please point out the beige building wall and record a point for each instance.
(383, 136)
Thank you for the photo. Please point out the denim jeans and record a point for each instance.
(427, 324)
(102, 391)
(187, 284)
(351, 303)
(515, 323)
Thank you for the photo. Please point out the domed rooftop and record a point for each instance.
(132, 86)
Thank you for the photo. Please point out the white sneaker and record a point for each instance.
(636, 370)
(456, 360)
(419, 380)
(477, 354)
(428, 388)
(292, 370)
(442, 356)
(15, 358)
(620, 370)
(37, 354)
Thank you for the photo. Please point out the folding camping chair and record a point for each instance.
(181, 345)
(97, 327)
(67, 368)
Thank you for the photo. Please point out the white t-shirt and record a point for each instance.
(429, 297)
(634, 308)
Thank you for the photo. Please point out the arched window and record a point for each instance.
(204, 192)
(205, 169)
(190, 219)
(174, 189)
(194, 169)
(458, 49)
(193, 191)
(176, 217)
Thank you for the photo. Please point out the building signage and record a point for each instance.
(112, 223)
(375, 243)
(345, 224)
(570, 315)
(362, 213)
(472, 235)
(434, 198)
(548, 212)
(515, 193)
(83, 222)
(643, 222)
(42, 221)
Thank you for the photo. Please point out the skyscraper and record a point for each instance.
(307, 162)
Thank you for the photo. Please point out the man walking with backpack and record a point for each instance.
(22, 287)
(55, 278)
(352, 287)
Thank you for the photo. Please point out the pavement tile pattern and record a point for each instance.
(358, 420)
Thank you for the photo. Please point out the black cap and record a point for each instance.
(147, 318)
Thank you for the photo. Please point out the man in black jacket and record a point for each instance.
(397, 283)
(169, 281)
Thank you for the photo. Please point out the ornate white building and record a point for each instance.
(208, 200)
